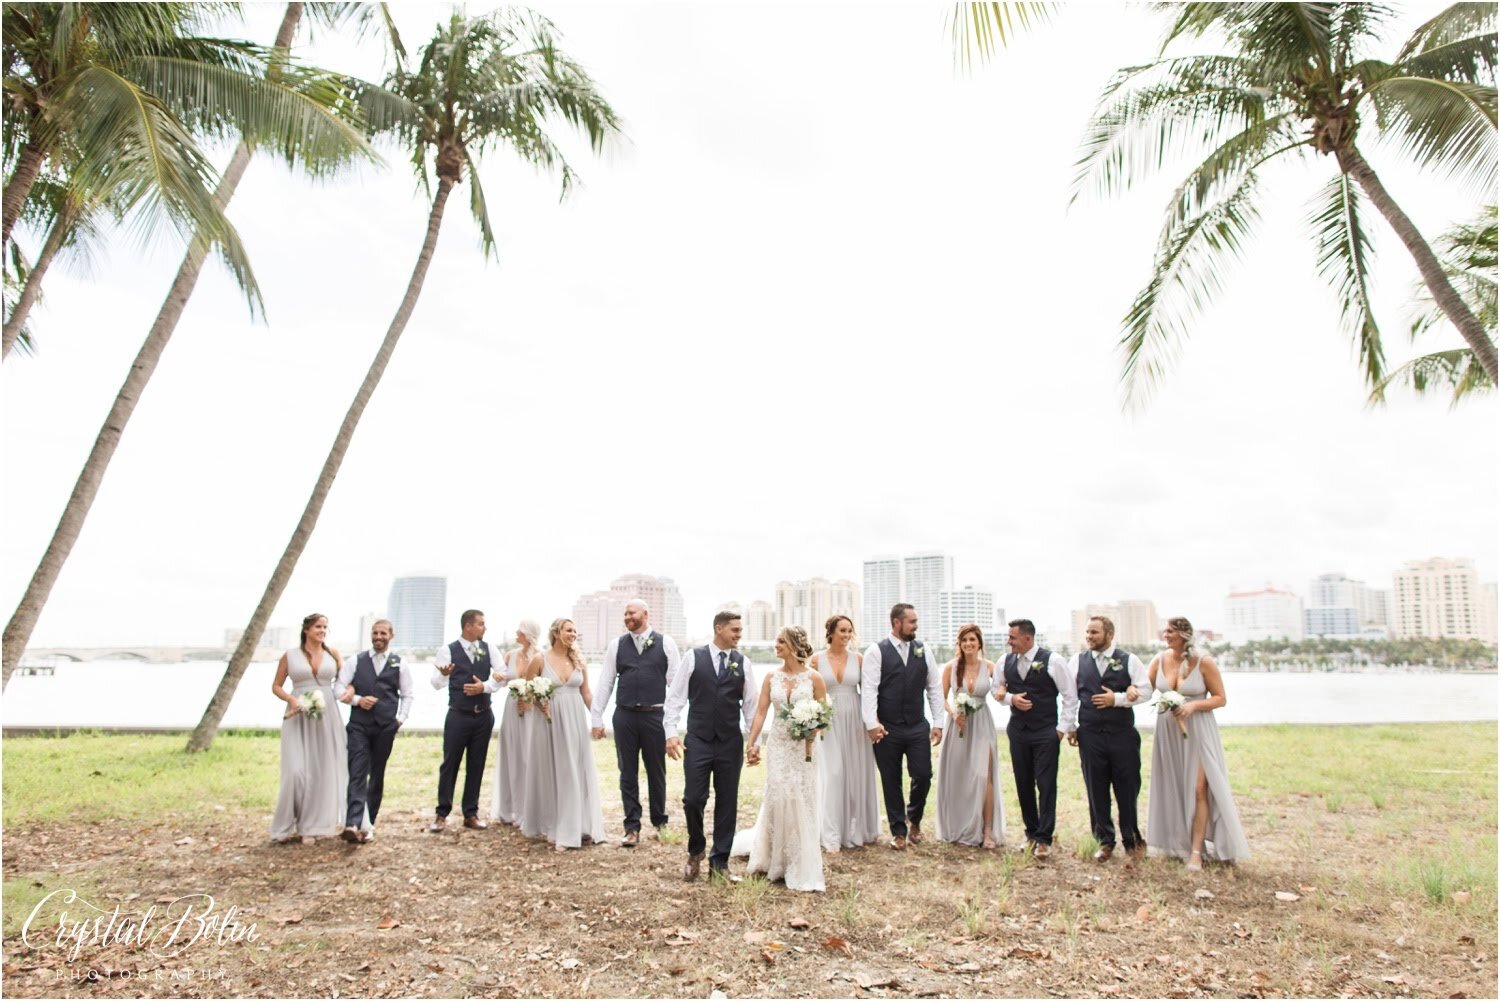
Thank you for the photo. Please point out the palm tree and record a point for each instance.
(1294, 83)
(328, 145)
(979, 29)
(1468, 253)
(482, 83)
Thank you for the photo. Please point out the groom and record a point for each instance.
(893, 676)
(716, 686)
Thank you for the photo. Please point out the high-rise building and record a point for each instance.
(1342, 608)
(925, 576)
(1490, 620)
(760, 623)
(599, 618)
(663, 599)
(810, 604)
(1441, 599)
(1137, 626)
(958, 608)
(1267, 614)
(418, 611)
(882, 589)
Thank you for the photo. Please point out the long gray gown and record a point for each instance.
(577, 805)
(965, 764)
(536, 788)
(505, 805)
(312, 800)
(1174, 774)
(851, 800)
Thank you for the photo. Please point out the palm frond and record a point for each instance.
(1471, 260)
(1461, 20)
(1458, 370)
(982, 29)
(1444, 126)
(1222, 168)
(480, 209)
(1170, 106)
(1189, 270)
(1344, 256)
(1470, 59)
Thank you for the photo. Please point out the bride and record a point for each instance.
(785, 843)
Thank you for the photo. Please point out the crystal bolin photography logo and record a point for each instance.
(166, 929)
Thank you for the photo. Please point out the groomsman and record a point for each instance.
(1110, 683)
(716, 686)
(640, 664)
(893, 676)
(1035, 678)
(378, 688)
(464, 667)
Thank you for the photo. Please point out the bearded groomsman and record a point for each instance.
(1035, 680)
(465, 668)
(893, 676)
(638, 667)
(378, 688)
(1110, 683)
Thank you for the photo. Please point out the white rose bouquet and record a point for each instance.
(805, 720)
(963, 705)
(311, 703)
(1170, 702)
(539, 694)
(519, 692)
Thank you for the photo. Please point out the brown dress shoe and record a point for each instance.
(350, 835)
(690, 871)
(438, 826)
(631, 839)
(899, 843)
(1138, 850)
(365, 837)
(1041, 850)
(1104, 854)
(475, 824)
(914, 835)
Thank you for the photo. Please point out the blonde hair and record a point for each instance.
(796, 638)
(1185, 630)
(554, 632)
(531, 630)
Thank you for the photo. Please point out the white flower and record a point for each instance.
(1169, 701)
(541, 688)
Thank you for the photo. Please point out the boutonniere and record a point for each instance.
(918, 652)
(1114, 663)
(1035, 666)
(478, 652)
(394, 658)
(734, 668)
(648, 644)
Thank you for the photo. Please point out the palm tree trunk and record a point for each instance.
(1353, 163)
(56, 237)
(28, 167)
(208, 727)
(18, 630)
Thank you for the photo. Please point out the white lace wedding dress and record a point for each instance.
(785, 842)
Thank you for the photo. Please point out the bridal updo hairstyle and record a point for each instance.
(796, 638)
(1185, 630)
(833, 624)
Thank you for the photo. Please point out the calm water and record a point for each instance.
(131, 694)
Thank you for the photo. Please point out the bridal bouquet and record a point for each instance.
(311, 703)
(519, 690)
(805, 720)
(539, 694)
(965, 705)
(1170, 702)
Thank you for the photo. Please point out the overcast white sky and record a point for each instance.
(828, 301)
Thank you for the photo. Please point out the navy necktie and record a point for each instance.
(722, 656)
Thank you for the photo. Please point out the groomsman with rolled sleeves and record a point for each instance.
(1111, 682)
(1035, 679)
(638, 667)
(377, 686)
(893, 677)
(464, 667)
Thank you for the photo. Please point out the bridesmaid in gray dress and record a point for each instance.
(579, 817)
(535, 790)
(314, 759)
(851, 814)
(1192, 813)
(970, 810)
(505, 807)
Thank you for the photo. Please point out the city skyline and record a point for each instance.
(1001, 315)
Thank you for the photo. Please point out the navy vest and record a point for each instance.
(714, 703)
(1037, 686)
(898, 700)
(1116, 679)
(640, 678)
(385, 686)
(465, 671)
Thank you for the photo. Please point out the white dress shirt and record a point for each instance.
(1060, 669)
(869, 681)
(677, 688)
(607, 674)
(408, 694)
(445, 657)
(1136, 669)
